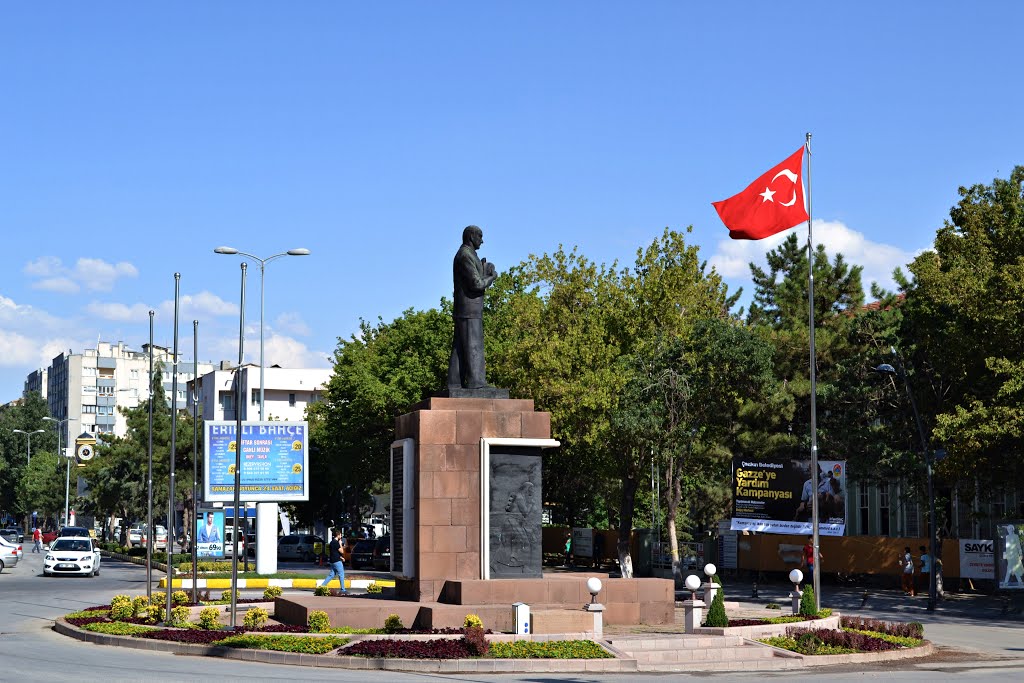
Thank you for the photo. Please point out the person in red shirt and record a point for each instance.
(37, 537)
(808, 556)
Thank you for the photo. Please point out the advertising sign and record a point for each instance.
(274, 461)
(210, 534)
(582, 542)
(1009, 555)
(775, 496)
(977, 559)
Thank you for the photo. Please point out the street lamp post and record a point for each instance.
(887, 369)
(266, 520)
(28, 445)
(59, 425)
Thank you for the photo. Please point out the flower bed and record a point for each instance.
(549, 649)
(451, 648)
(303, 644)
(881, 637)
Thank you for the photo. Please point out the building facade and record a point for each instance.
(87, 388)
(287, 392)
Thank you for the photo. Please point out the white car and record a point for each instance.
(10, 553)
(72, 555)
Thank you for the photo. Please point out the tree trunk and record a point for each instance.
(629, 485)
(674, 490)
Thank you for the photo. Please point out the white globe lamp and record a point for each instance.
(693, 583)
(796, 576)
(594, 586)
(710, 570)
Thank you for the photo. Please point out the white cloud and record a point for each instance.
(733, 257)
(197, 306)
(57, 284)
(119, 312)
(91, 273)
(292, 323)
(291, 353)
(17, 349)
(26, 318)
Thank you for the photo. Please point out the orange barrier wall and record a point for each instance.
(848, 554)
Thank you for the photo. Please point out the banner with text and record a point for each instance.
(210, 534)
(775, 496)
(274, 462)
(977, 559)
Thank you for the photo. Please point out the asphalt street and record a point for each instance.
(986, 647)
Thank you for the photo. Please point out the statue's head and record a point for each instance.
(473, 236)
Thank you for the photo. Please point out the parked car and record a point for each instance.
(10, 554)
(135, 534)
(250, 545)
(10, 535)
(18, 532)
(382, 553)
(72, 555)
(362, 554)
(50, 536)
(159, 539)
(299, 547)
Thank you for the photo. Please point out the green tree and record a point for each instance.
(41, 487)
(26, 415)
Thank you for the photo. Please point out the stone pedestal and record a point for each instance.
(693, 615)
(795, 596)
(444, 436)
(710, 588)
(597, 609)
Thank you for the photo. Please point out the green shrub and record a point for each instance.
(139, 605)
(179, 597)
(116, 628)
(255, 618)
(316, 645)
(272, 592)
(319, 622)
(121, 610)
(393, 624)
(155, 612)
(322, 591)
(375, 588)
(807, 606)
(158, 598)
(179, 616)
(473, 621)
(717, 580)
(226, 595)
(88, 613)
(549, 649)
(772, 605)
(808, 642)
(118, 599)
(209, 618)
(716, 613)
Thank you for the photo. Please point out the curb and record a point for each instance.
(280, 583)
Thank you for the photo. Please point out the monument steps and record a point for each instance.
(700, 653)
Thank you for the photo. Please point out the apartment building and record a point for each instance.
(287, 392)
(87, 388)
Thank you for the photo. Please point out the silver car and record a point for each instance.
(10, 553)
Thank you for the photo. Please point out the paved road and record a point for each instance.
(30, 651)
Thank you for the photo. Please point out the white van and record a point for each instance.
(229, 547)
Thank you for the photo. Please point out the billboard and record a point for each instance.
(775, 496)
(977, 560)
(1010, 555)
(274, 461)
(210, 534)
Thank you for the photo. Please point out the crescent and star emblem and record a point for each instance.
(769, 194)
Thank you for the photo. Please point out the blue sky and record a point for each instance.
(137, 137)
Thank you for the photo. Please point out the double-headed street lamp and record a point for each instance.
(28, 445)
(264, 539)
(60, 453)
(887, 369)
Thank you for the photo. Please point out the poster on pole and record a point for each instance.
(210, 534)
(275, 462)
(776, 496)
(1009, 547)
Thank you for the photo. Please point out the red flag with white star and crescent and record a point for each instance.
(772, 203)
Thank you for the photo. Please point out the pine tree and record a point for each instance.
(807, 606)
(716, 613)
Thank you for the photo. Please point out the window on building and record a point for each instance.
(864, 511)
(89, 410)
(255, 397)
(883, 509)
(227, 400)
(314, 397)
(291, 400)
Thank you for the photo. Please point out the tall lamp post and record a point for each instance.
(28, 445)
(59, 425)
(266, 520)
(887, 369)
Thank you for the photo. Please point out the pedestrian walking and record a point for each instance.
(908, 572)
(808, 557)
(37, 538)
(924, 583)
(568, 548)
(337, 566)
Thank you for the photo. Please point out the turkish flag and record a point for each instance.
(772, 203)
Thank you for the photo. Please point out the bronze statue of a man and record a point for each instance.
(472, 275)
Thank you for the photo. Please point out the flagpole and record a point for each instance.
(816, 578)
